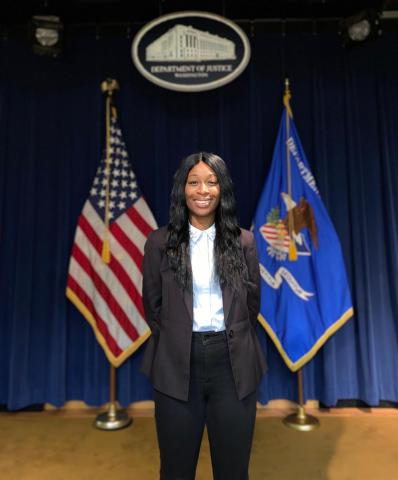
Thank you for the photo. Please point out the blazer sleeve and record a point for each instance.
(152, 284)
(253, 292)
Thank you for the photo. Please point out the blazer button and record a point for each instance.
(231, 333)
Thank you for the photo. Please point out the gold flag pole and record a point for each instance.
(108, 86)
(292, 246)
(299, 420)
(113, 419)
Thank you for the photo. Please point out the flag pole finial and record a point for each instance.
(287, 95)
(109, 86)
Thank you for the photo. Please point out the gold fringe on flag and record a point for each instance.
(106, 251)
(292, 251)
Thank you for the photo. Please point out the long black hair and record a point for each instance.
(230, 264)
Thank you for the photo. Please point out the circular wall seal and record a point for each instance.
(191, 51)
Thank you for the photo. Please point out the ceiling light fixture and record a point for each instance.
(360, 27)
(47, 35)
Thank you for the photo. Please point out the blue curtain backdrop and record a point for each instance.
(52, 130)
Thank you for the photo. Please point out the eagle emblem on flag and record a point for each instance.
(276, 233)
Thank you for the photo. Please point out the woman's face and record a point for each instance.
(202, 195)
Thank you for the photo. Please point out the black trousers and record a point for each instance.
(212, 402)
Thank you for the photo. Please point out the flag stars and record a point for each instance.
(115, 182)
(115, 130)
(115, 140)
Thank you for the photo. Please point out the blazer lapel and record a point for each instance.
(227, 297)
(188, 300)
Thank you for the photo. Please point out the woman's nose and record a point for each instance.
(203, 188)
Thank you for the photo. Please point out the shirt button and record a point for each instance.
(231, 333)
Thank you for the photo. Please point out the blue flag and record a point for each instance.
(305, 295)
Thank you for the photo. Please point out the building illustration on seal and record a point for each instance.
(183, 43)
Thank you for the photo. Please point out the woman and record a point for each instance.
(201, 298)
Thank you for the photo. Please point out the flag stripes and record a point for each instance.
(109, 300)
(137, 219)
(130, 277)
(74, 286)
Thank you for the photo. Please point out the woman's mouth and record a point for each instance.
(202, 203)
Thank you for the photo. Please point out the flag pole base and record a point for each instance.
(301, 421)
(112, 419)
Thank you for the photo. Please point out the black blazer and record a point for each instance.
(169, 313)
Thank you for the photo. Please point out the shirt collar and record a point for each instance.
(195, 234)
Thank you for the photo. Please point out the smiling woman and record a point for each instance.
(202, 195)
(201, 297)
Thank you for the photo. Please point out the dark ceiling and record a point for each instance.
(15, 12)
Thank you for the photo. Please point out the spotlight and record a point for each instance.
(47, 35)
(360, 27)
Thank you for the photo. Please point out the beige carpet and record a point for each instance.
(44, 446)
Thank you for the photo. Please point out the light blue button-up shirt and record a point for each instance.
(208, 312)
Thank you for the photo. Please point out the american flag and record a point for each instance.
(108, 295)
